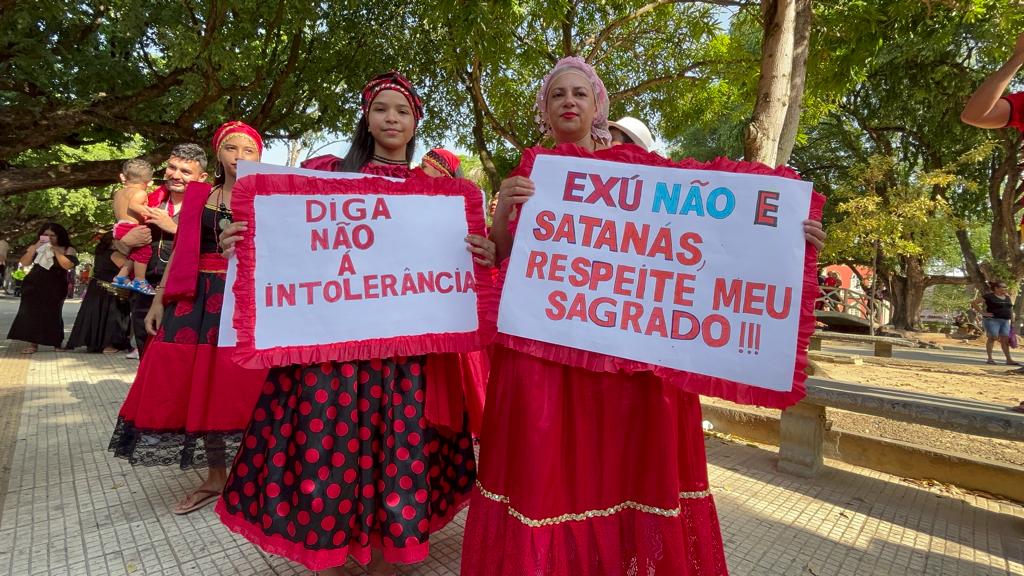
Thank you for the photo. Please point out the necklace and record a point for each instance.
(169, 206)
(383, 160)
(223, 213)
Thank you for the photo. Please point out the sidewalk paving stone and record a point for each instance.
(71, 508)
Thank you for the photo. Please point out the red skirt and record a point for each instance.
(589, 474)
(189, 403)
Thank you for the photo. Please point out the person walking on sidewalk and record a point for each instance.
(997, 315)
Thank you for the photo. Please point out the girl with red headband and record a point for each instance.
(190, 402)
(345, 459)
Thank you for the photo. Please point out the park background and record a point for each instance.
(862, 97)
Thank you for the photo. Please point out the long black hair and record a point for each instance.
(363, 145)
(63, 238)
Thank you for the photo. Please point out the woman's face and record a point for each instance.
(619, 137)
(236, 148)
(51, 235)
(391, 123)
(571, 107)
(1000, 288)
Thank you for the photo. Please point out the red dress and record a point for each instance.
(190, 402)
(589, 473)
(344, 457)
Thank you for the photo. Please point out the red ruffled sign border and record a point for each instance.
(244, 321)
(691, 382)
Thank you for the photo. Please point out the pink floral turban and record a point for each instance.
(599, 130)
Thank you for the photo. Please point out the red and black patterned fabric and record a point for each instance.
(340, 459)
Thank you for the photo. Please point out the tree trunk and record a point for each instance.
(907, 294)
(761, 140)
(295, 148)
(472, 81)
(801, 44)
(970, 259)
(76, 175)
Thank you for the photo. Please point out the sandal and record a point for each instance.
(1018, 408)
(209, 496)
(30, 349)
(990, 361)
(1012, 363)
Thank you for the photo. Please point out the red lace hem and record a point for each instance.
(324, 559)
(412, 345)
(691, 382)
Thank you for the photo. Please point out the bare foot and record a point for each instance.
(30, 349)
(205, 494)
(110, 350)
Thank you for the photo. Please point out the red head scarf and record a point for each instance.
(442, 161)
(237, 127)
(392, 81)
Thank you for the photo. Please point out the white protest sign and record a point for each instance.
(227, 335)
(695, 270)
(342, 268)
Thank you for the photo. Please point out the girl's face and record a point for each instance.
(236, 148)
(391, 123)
(570, 107)
(432, 172)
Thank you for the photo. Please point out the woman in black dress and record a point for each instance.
(43, 291)
(102, 321)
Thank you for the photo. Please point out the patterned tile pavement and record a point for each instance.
(70, 508)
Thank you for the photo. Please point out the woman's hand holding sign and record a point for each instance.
(515, 190)
(482, 249)
(814, 233)
(231, 235)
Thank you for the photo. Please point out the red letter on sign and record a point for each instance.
(766, 209)
(572, 185)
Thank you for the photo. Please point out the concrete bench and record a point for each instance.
(883, 344)
(803, 425)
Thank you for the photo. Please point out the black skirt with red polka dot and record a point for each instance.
(339, 458)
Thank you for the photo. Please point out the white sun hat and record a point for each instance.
(636, 130)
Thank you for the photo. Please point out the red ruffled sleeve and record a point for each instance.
(1016, 101)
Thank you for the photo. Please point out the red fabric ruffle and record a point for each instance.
(245, 316)
(324, 559)
(629, 542)
(695, 383)
(326, 163)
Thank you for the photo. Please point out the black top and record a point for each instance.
(104, 267)
(998, 307)
(210, 228)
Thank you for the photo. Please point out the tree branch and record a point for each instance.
(74, 175)
(595, 42)
(477, 96)
(652, 82)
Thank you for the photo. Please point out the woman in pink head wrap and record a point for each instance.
(190, 401)
(593, 471)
